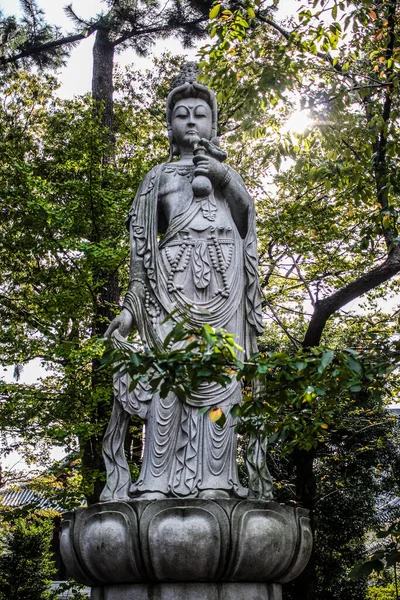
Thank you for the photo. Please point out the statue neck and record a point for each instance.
(186, 156)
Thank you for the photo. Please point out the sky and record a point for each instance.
(76, 76)
(75, 79)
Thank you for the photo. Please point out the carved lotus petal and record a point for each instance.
(176, 540)
(105, 544)
(172, 531)
(303, 550)
(265, 545)
(73, 565)
(174, 535)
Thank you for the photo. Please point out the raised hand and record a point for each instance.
(209, 167)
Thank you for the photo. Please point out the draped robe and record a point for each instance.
(204, 268)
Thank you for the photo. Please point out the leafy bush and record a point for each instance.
(381, 592)
(26, 564)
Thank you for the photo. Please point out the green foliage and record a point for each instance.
(327, 222)
(328, 219)
(358, 463)
(73, 590)
(30, 31)
(384, 592)
(26, 564)
(300, 393)
(332, 214)
(388, 555)
(63, 244)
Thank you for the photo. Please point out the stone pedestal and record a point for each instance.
(192, 549)
(189, 591)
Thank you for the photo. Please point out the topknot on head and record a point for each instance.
(188, 74)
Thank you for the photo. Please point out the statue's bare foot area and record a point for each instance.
(151, 496)
(213, 494)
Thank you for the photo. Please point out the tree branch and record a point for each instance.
(38, 48)
(380, 163)
(276, 318)
(157, 29)
(328, 306)
(286, 34)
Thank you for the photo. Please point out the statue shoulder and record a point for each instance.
(152, 174)
(144, 194)
(149, 180)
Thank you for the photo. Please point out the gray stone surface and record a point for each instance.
(189, 591)
(205, 265)
(184, 530)
(184, 541)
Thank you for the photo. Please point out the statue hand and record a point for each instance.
(124, 323)
(209, 167)
(212, 149)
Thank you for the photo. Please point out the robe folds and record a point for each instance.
(202, 268)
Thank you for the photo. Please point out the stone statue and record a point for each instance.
(193, 248)
(185, 529)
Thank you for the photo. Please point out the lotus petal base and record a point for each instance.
(177, 549)
(189, 591)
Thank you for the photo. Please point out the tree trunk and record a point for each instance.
(303, 588)
(102, 81)
(105, 282)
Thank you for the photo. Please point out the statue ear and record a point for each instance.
(173, 148)
(173, 151)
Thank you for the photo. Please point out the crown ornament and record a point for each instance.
(188, 74)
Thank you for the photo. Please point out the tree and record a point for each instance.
(126, 24)
(321, 230)
(304, 395)
(334, 235)
(54, 204)
(26, 563)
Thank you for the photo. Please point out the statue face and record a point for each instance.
(191, 120)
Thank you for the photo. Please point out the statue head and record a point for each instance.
(185, 87)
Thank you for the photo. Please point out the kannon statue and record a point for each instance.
(193, 248)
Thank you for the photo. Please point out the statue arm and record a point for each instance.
(126, 321)
(142, 230)
(238, 198)
(229, 182)
(137, 282)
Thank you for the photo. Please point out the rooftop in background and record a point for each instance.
(24, 497)
(21, 496)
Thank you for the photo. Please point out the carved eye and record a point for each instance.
(181, 112)
(200, 113)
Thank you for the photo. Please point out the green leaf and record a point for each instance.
(354, 365)
(393, 558)
(327, 358)
(366, 568)
(214, 12)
